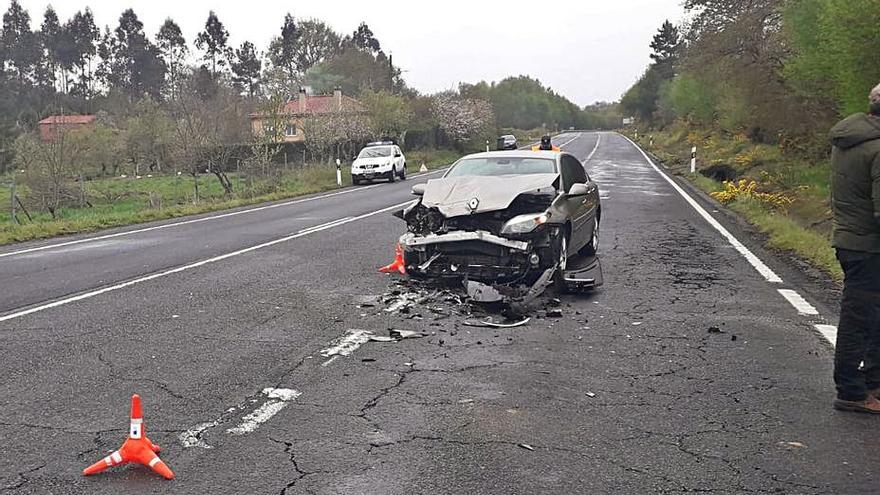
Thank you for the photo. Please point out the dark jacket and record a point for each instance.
(855, 183)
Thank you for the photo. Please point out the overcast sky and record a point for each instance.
(587, 50)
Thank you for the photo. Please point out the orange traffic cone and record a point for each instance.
(397, 265)
(137, 448)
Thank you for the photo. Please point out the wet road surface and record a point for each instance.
(246, 337)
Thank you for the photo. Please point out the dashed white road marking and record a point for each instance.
(345, 345)
(799, 303)
(199, 220)
(756, 262)
(829, 332)
(90, 294)
(278, 398)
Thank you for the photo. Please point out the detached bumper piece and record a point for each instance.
(584, 274)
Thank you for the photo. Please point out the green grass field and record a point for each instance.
(121, 201)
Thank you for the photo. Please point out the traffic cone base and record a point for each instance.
(397, 265)
(136, 449)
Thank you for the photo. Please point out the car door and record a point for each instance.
(398, 159)
(581, 208)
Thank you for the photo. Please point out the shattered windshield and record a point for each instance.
(502, 166)
(376, 152)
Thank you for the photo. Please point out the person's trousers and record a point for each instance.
(858, 334)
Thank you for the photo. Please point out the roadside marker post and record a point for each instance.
(338, 172)
(487, 146)
(137, 448)
(694, 160)
(12, 199)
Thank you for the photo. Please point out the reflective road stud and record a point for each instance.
(137, 448)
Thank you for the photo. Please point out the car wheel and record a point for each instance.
(593, 246)
(561, 253)
(393, 176)
(403, 172)
(355, 181)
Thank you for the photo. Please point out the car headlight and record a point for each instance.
(523, 224)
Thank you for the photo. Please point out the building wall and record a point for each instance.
(292, 133)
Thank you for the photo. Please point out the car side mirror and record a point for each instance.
(418, 189)
(397, 155)
(579, 189)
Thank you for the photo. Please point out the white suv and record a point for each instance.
(380, 160)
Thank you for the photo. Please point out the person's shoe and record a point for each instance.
(870, 405)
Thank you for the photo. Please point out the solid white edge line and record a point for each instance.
(829, 332)
(799, 303)
(199, 220)
(756, 262)
(90, 294)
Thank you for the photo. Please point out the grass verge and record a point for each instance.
(802, 227)
(118, 201)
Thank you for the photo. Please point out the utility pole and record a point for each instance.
(391, 73)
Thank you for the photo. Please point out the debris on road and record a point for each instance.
(488, 323)
(792, 445)
(405, 334)
(526, 446)
(554, 313)
(590, 394)
(714, 329)
(381, 338)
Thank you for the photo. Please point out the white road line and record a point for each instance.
(87, 295)
(799, 303)
(595, 148)
(829, 332)
(198, 220)
(756, 262)
(345, 345)
(278, 398)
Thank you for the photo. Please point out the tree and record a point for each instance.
(316, 43)
(131, 63)
(390, 115)
(282, 52)
(246, 69)
(149, 131)
(20, 44)
(53, 41)
(667, 46)
(172, 46)
(363, 39)
(81, 37)
(462, 119)
(213, 41)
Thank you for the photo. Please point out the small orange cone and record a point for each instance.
(137, 448)
(397, 265)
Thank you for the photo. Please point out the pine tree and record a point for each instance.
(667, 45)
(173, 47)
(213, 41)
(246, 69)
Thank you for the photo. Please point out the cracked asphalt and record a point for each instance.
(628, 392)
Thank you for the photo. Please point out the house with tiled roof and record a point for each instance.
(288, 122)
(52, 126)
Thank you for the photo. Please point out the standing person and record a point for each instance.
(855, 190)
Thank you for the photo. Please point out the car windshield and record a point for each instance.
(376, 152)
(502, 166)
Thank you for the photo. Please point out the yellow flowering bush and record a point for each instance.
(748, 189)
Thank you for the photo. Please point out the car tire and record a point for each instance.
(355, 181)
(560, 250)
(403, 172)
(592, 247)
(393, 175)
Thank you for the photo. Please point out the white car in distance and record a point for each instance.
(379, 160)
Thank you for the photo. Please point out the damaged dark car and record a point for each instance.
(503, 218)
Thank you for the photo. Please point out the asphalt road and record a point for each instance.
(220, 325)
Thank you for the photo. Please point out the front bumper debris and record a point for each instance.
(412, 241)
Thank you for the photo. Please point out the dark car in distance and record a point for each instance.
(507, 142)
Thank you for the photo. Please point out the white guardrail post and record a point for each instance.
(694, 160)
(339, 172)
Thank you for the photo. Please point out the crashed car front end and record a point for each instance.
(508, 245)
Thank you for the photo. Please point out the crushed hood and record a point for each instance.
(855, 130)
(452, 195)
